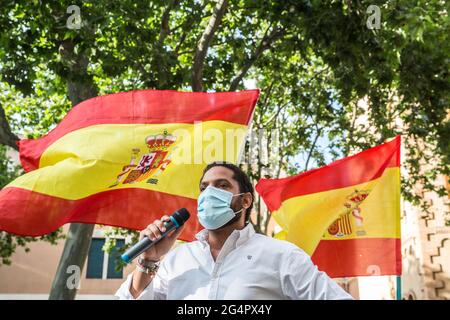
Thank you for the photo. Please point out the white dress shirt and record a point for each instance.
(249, 266)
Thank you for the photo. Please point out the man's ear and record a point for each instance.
(247, 200)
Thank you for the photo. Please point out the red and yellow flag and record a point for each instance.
(346, 214)
(125, 159)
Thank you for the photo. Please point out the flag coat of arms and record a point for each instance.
(346, 215)
(124, 160)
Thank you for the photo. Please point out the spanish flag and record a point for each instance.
(346, 214)
(125, 159)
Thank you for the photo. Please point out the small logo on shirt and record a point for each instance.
(249, 257)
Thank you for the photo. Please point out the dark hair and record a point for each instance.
(240, 176)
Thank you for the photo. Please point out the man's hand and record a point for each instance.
(154, 232)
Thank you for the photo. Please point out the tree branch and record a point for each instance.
(162, 68)
(6, 136)
(186, 27)
(275, 115)
(264, 45)
(80, 84)
(204, 43)
(312, 148)
(165, 30)
(280, 165)
(267, 95)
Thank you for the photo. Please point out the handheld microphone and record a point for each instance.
(177, 219)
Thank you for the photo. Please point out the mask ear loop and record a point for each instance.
(239, 194)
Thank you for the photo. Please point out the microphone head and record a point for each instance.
(181, 215)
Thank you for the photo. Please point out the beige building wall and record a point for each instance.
(426, 249)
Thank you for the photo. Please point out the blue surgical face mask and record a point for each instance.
(213, 207)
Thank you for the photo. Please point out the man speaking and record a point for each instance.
(228, 260)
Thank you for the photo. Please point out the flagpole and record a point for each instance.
(399, 277)
(399, 287)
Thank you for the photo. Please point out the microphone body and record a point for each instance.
(176, 220)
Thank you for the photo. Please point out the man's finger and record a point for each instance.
(176, 232)
(147, 233)
(144, 232)
(155, 231)
(160, 225)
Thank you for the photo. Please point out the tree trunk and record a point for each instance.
(80, 87)
(67, 278)
(204, 43)
(7, 137)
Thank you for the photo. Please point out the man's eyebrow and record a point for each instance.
(216, 181)
(222, 180)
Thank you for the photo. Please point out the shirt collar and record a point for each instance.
(237, 236)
